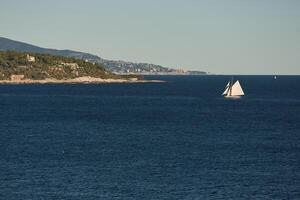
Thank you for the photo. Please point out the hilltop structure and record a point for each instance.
(30, 58)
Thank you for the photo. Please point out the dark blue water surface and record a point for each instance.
(173, 140)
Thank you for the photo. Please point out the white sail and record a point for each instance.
(226, 89)
(236, 89)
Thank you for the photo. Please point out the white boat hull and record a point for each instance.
(232, 97)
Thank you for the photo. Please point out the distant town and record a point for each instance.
(122, 67)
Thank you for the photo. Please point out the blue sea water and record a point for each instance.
(175, 140)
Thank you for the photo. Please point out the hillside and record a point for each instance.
(12, 45)
(16, 65)
(118, 67)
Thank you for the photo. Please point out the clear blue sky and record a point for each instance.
(229, 37)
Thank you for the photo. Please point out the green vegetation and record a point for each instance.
(49, 66)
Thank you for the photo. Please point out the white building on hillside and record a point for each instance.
(30, 58)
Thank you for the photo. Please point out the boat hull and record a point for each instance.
(233, 97)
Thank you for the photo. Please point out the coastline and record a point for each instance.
(79, 80)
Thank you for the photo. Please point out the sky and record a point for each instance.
(218, 36)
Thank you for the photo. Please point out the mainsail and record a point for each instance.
(236, 89)
(233, 89)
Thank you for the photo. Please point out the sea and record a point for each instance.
(178, 139)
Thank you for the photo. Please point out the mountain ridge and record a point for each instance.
(7, 44)
(118, 67)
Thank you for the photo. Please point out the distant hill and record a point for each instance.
(12, 45)
(118, 67)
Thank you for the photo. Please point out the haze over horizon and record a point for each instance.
(232, 37)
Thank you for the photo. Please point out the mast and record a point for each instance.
(230, 89)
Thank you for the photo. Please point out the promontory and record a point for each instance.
(18, 68)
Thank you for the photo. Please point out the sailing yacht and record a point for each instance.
(233, 90)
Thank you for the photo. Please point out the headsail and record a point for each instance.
(226, 89)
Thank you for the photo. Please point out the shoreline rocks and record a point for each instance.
(79, 80)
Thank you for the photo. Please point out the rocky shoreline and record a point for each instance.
(79, 80)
